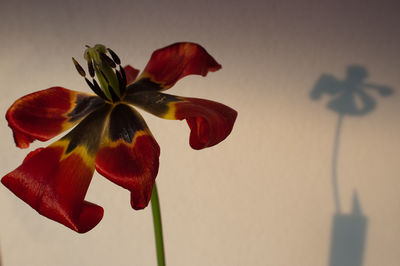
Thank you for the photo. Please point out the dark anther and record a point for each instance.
(98, 87)
(95, 88)
(108, 60)
(87, 46)
(123, 75)
(114, 56)
(90, 67)
(121, 83)
(79, 68)
(114, 96)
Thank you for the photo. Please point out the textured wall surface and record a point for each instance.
(309, 175)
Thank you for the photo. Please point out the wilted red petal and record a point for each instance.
(54, 180)
(131, 74)
(128, 155)
(44, 114)
(169, 64)
(210, 122)
(56, 188)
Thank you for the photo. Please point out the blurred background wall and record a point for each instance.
(309, 175)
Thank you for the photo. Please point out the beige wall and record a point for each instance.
(265, 195)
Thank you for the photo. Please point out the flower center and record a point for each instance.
(112, 80)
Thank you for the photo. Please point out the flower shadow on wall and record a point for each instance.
(350, 97)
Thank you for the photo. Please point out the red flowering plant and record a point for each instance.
(109, 135)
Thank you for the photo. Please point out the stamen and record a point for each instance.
(96, 89)
(123, 75)
(108, 60)
(114, 56)
(121, 83)
(97, 85)
(79, 68)
(90, 67)
(114, 96)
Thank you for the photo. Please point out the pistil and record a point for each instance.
(112, 81)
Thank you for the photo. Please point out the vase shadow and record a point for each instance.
(348, 237)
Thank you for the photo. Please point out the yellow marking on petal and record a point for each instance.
(79, 150)
(144, 75)
(66, 126)
(170, 114)
(107, 142)
(72, 102)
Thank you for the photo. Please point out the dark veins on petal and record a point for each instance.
(85, 105)
(155, 101)
(124, 123)
(88, 132)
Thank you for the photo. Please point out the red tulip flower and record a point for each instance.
(109, 135)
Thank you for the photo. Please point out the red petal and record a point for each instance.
(129, 155)
(54, 180)
(131, 74)
(171, 63)
(210, 122)
(56, 187)
(45, 114)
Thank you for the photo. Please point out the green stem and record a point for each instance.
(155, 207)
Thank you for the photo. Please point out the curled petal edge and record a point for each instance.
(44, 182)
(209, 122)
(169, 64)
